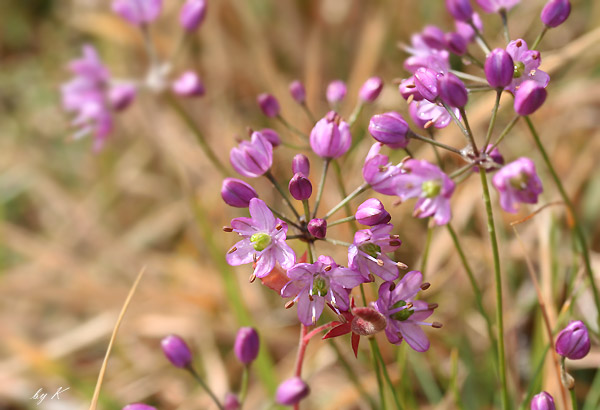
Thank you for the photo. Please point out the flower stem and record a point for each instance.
(498, 279)
(286, 219)
(573, 400)
(488, 136)
(341, 221)
(308, 112)
(505, 24)
(504, 132)
(244, 385)
(336, 242)
(342, 189)
(301, 350)
(480, 40)
(204, 386)
(372, 343)
(326, 162)
(465, 130)
(291, 127)
(434, 142)
(349, 198)
(386, 375)
(356, 112)
(468, 127)
(578, 231)
(474, 60)
(271, 178)
(427, 247)
(539, 38)
(470, 77)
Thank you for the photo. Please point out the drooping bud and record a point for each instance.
(499, 68)
(291, 391)
(371, 89)
(555, 12)
(573, 342)
(268, 104)
(301, 164)
(452, 90)
(455, 43)
(252, 159)
(300, 187)
(390, 129)
(542, 401)
(330, 137)
(433, 36)
(408, 89)
(318, 228)
(138, 406)
(336, 91)
(177, 351)
(231, 402)
(188, 84)
(138, 11)
(246, 345)
(121, 96)
(426, 83)
(529, 97)
(192, 14)
(272, 136)
(367, 321)
(372, 212)
(298, 92)
(237, 193)
(461, 10)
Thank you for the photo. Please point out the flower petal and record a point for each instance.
(262, 215)
(415, 336)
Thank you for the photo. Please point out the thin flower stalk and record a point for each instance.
(326, 162)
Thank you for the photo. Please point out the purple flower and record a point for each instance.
(465, 29)
(177, 351)
(237, 193)
(456, 43)
(313, 285)
(263, 241)
(246, 345)
(404, 314)
(517, 182)
(529, 97)
(231, 402)
(573, 342)
(542, 401)
(425, 56)
(420, 179)
(499, 68)
(452, 90)
(192, 14)
(138, 11)
(526, 63)
(367, 254)
(272, 136)
(300, 187)
(336, 91)
(389, 128)
(427, 83)
(379, 173)
(408, 89)
(372, 212)
(555, 12)
(188, 84)
(291, 391)
(460, 9)
(121, 96)
(268, 105)
(298, 92)
(138, 406)
(86, 95)
(433, 36)
(494, 6)
(371, 89)
(317, 227)
(432, 114)
(330, 137)
(301, 164)
(254, 158)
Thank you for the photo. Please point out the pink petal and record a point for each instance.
(243, 254)
(265, 264)
(262, 215)
(415, 336)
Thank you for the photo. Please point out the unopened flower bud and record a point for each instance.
(390, 129)
(268, 104)
(427, 83)
(455, 43)
(138, 406)
(252, 158)
(272, 136)
(330, 137)
(300, 187)
(301, 164)
(555, 12)
(371, 89)
(298, 92)
(237, 193)
(573, 342)
(318, 228)
(246, 345)
(188, 84)
(336, 91)
(192, 14)
(433, 36)
(452, 90)
(461, 10)
(465, 29)
(231, 402)
(408, 89)
(138, 11)
(542, 401)
(367, 321)
(291, 391)
(121, 96)
(529, 97)
(499, 68)
(372, 212)
(177, 351)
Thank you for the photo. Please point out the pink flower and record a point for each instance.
(432, 113)
(252, 159)
(138, 11)
(379, 172)
(422, 55)
(517, 182)
(263, 241)
(368, 252)
(494, 6)
(526, 63)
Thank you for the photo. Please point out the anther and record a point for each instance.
(395, 243)
(230, 251)
(289, 304)
(392, 286)
(397, 202)
(371, 277)
(278, 227)
(395, 236)
(327, 268)
(410, 98)
(252, 278)
(397, 81)
(417, 212)
(249, 131)
(409, 305)
(311, 298)
(227, 229)
(428, 124)
(402, 265)
(437, 325)
(519, 43)
(432, 306)
(379, 262)
(425, 286)
(406, 158)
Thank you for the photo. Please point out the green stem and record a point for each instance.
(309, 253)
(434, 142)
(578, 231)
(283, 194)
(378, 374)
(306, 209)
(460, 125)
(204, 386)
(326, 162)
(341, 221)
(573, 399)
(349, 198)
(308, 112)
(474, 60)
(498, 279)
(342, 189)
(244, 386)
(286, 219)
(488, 136)
(468, 127)
(504, 133)
(470, 77)
(461, 171)
(291, 127)
(355, 113)
(505, 24)
(427, 247)
(386, 375)
(481, 41)
(336, 242)
(535, 380)
(539, 38)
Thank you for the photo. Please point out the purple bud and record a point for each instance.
(456, 43)
(499, 68)
(192, 14)
(188, 85)
(291, 391)
(252, 158)
(231, 402)
(542, 401)
(300, 187)
(330, 137)
(268, 104)
(246, 345)
(461, 10)
(433, 36)
(138, 11)
(177, 351)
(298, 92)
(371, 89)
(272, 136)
(121, 96)
(390, 129)
(301, 164)
(555, 12)
(408, 88)
(371, 213)
(318, 228)
(452, 90)
(336, 91)
(237, 193)
(573, 342)
(138, 406)
(427, 83)
(465, 29)
(529, 97)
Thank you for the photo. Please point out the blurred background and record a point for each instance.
(76, 226)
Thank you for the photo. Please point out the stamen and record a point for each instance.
(410, 98)
(425, 286)
(395, 243)
(432, 306)
(230, 251)
(519, 43)
(227, 229)
(311, 298)
(409, 305)
(392, 286)
(250, 131)
(397, 81)
(417, 212)
(289, 304)
(428, 124)
(252, 278)
(395, 236)
(278, 227)
(371, 277)
(436, 325)
(402, 265)
(397, 202)
(327, 268)
(379, 262)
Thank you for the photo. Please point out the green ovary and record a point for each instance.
(260, 241)
(519, 69)
(403, 314)
(432, 188)
(519, 182)
(320, 287)
(371, 249)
